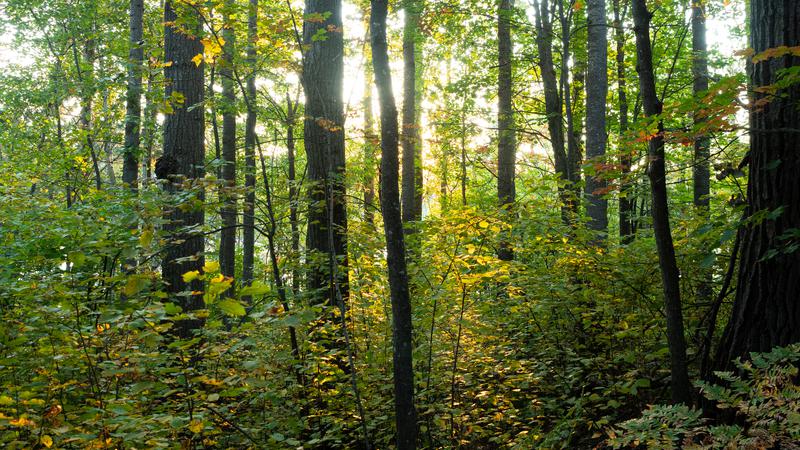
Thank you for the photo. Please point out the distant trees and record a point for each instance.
(765, 312)
(184, 156)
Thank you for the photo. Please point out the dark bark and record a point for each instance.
(326, 238)
(701, 167)
(507, 142)
(552, 100)
(574, 158)
(248, 218)
(766, 312)
(681, 387)
(369, 149)
(227, 238)
(596, 93)
(626, 205)
(133, 113)
(184, 153)
(294, 218)
(405, 414)
(701, 170)
(410, 129)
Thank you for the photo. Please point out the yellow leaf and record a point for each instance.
(146, 238)
(22, 422)
(198, 59)
(196, 426)
(47, 441)
(484, 224)
(211, 266)
(191, 275)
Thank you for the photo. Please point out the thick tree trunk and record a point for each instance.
(183, 158)
(507, 142)
(326, 238)
(766, 312)
(410, 130)
(596, 93)
(248, 217)
(227, 238)
(681, 387)
(405, 414)
(626, 205)
(133, 113)
(552, 100)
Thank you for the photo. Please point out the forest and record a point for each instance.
(374, 224)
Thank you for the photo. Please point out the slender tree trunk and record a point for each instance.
(507, 142)
(596, 93)
(681, 387)
(227, 244)
(369, 149)
(765, 312)
(574, 158)
(86, 77)
(409, 129)
(294, 221)
(183, 158)
(552, 99)
(405, 414)
(326, 238)
(133, 113)
(626, 206)
(248, 216)
(701, 168)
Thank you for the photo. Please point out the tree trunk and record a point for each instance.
(596, 93)
(248, 217)
(552, 100)
(326, 238)
(133, 113)
(765, 312)
(701, 167)
(227, 241)
(701, 170)
(405, 415)
(507, 142)
(626, 206)
(681, 387)
(410, 133)
(369, 149)
(183, 158)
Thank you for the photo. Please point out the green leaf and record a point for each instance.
(232, 307)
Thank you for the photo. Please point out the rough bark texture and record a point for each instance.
(596, 93)
(507, 142)
(410, 128)
(552, 99)
(405, 414)
(326, 237)
(248, 219)
(681, 387)
(626, 205)
(227, 238)
(183, 158)
(766, 312)
(133, 112)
